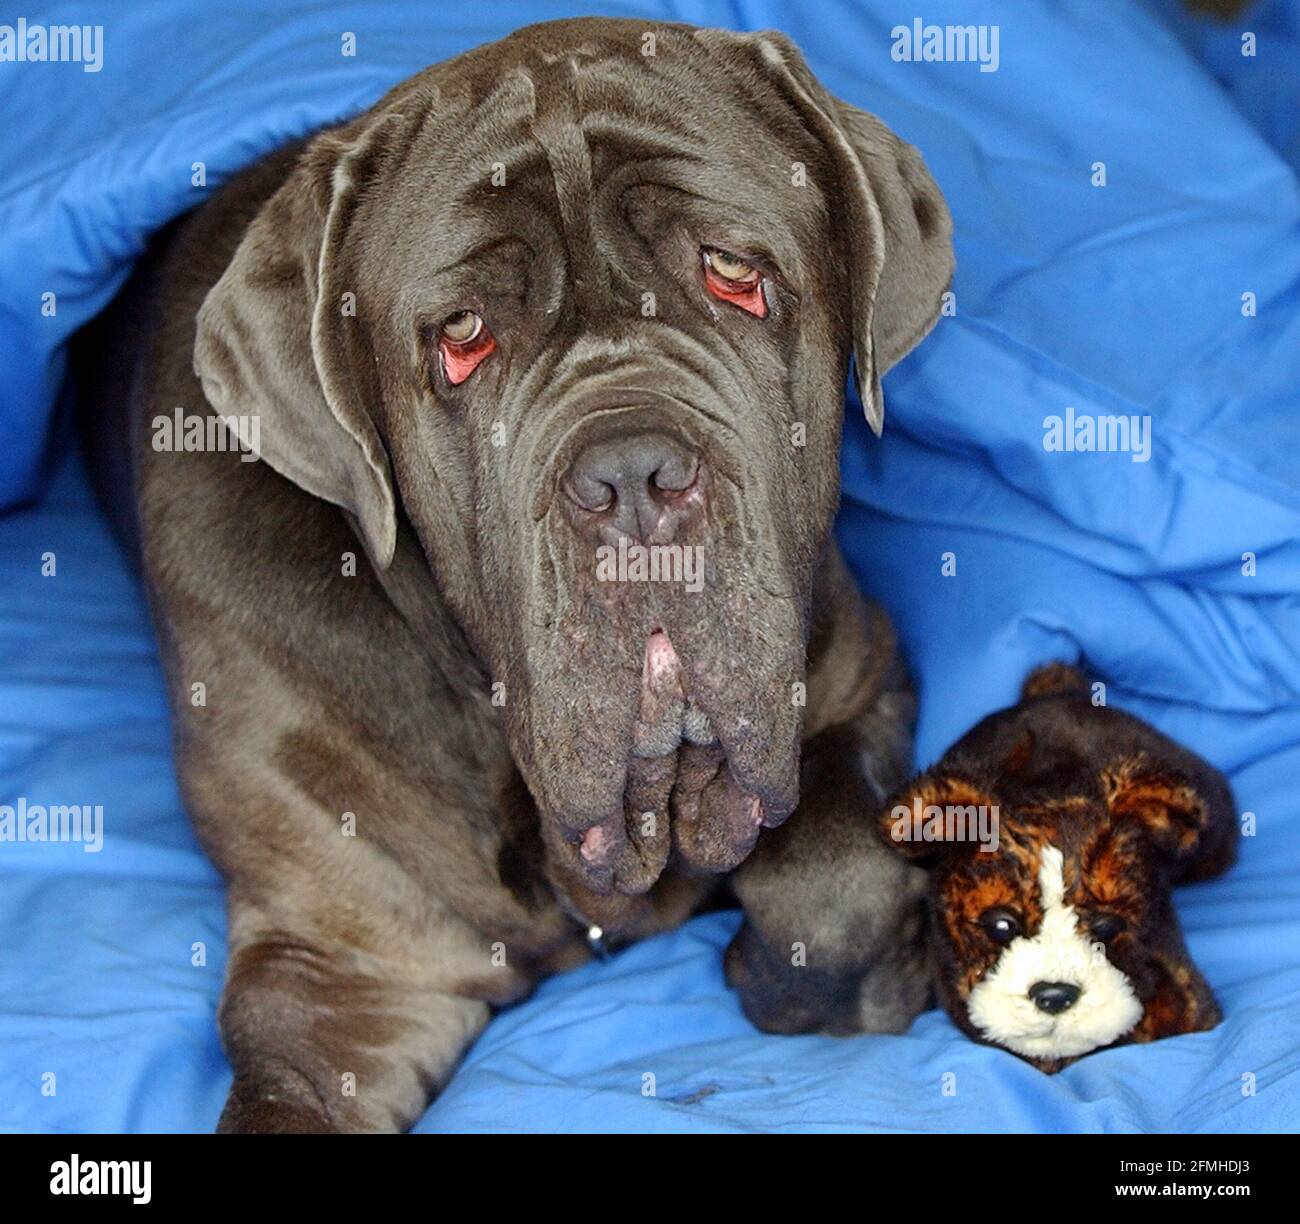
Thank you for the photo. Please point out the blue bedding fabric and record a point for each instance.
(1172, 570)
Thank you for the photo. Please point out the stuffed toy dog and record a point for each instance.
(1054, 830)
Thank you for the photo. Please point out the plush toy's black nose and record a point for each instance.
(1054, 997)
(641, 486)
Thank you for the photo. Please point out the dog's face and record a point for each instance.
(578, 291)
(1063, 939)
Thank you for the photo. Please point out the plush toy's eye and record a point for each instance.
(463, 342)
(1001, 925)
(1104, 927)
(731, 279)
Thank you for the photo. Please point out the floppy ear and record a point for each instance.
(273, 341)
(1162, 799)
(895, 222)
(903, 823)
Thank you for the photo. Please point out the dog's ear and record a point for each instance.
(892, 316)
(274, 342)
(1165, 801)
(895, 222)
(915, 821)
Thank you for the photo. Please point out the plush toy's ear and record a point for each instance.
(273, 341)
(919, 819)
(1020, 753)
(1162, 799)
(896, 227)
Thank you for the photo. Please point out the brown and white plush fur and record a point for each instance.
(1057, 936)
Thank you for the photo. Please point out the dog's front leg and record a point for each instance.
(367, 948)
(324, 1037)
(834, 934)
(834, 930)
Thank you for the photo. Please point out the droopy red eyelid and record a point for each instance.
(459, 361)
(748, 295)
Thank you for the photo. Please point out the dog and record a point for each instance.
(1060, 938)
(592, 287)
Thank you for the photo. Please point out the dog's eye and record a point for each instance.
(1104, 927)
(462, 327)
(1001, 925)
(731, 279)
(463, 342)
(728, 266)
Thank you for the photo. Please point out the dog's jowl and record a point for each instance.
(528, 620)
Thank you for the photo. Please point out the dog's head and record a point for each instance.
(1052, 919)
(577, 307)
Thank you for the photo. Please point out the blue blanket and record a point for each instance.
(1124, 187)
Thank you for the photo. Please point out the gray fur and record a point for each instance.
(335, 698)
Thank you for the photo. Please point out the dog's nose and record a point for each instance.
(643, 487)
(1054, 997)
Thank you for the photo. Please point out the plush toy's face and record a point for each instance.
(1057, 936)
(1041, 943)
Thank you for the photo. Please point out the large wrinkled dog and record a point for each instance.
(591, 286)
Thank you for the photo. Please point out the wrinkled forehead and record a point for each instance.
(680, 104)
(563, 144)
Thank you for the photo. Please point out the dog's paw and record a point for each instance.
(781, 993)
(278, 1106)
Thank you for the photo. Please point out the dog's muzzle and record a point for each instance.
(646, 486)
